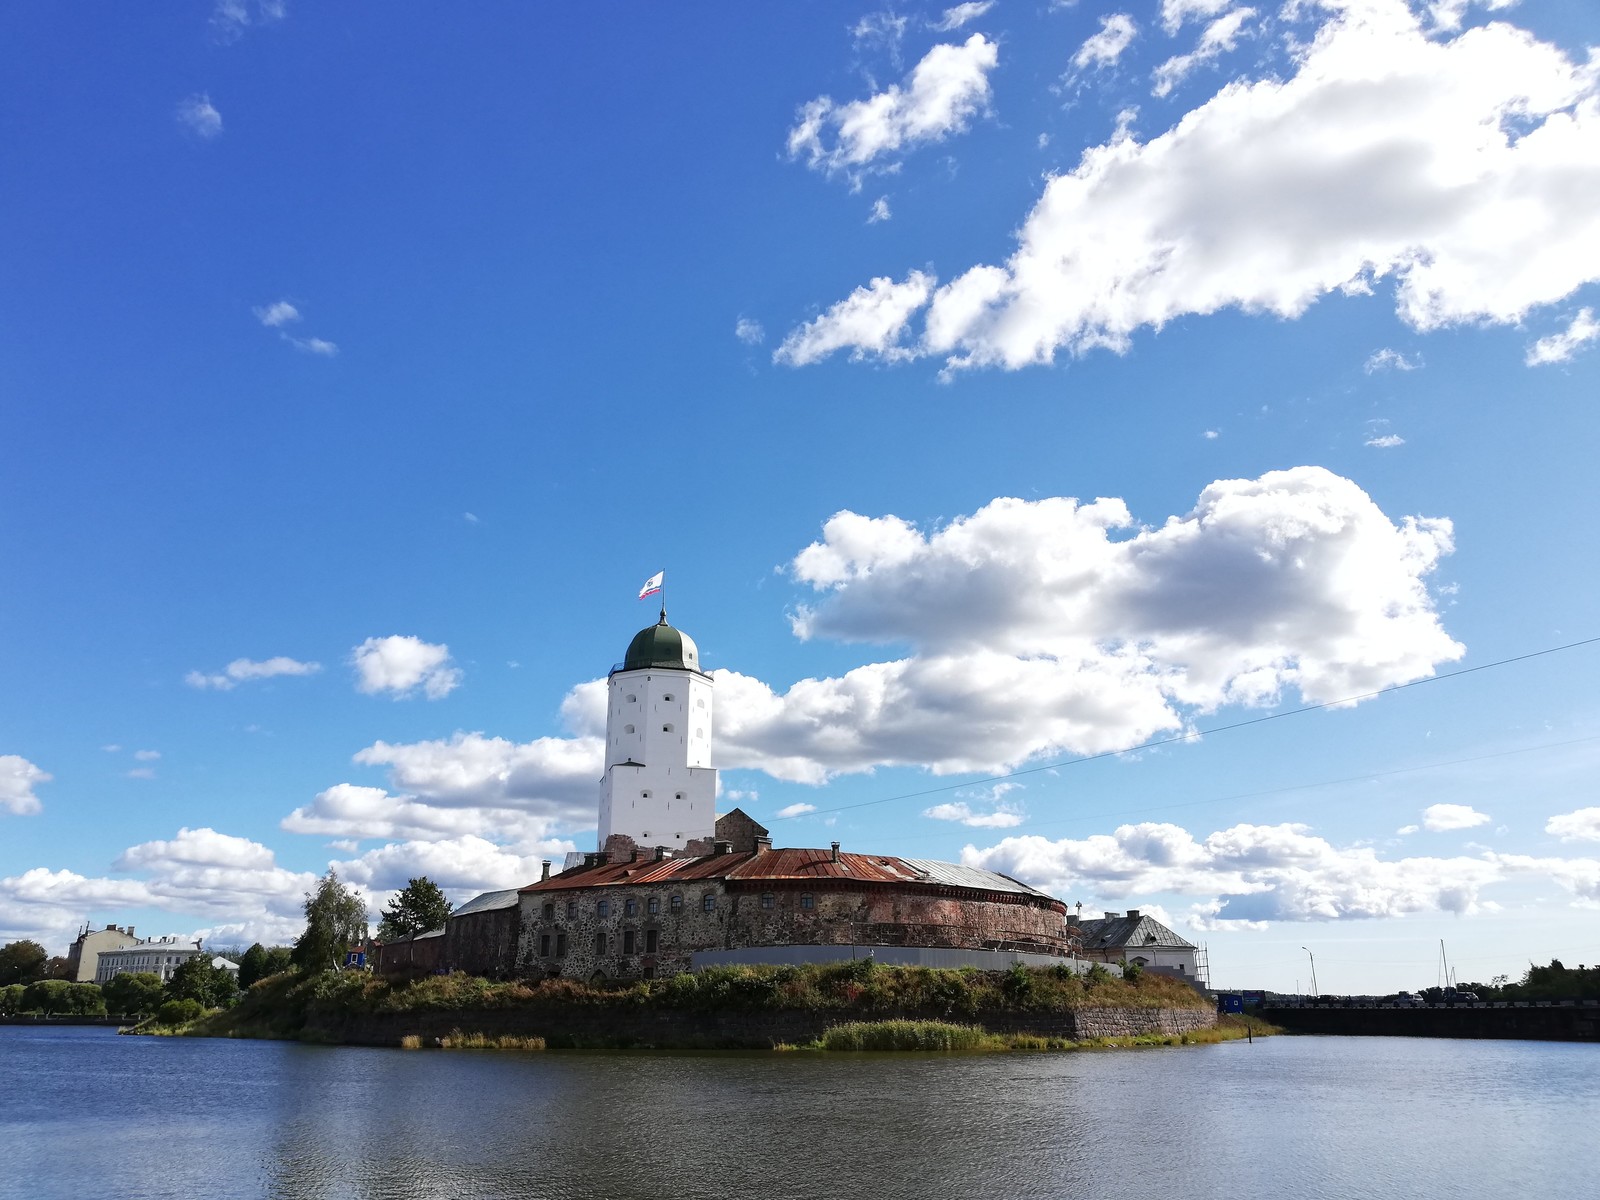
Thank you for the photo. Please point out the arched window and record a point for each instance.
(807, 900)
(768, 900)
(666, 729)
(667, 698)
(645, 795)
(627, 729)
(603, 909)
(708, 902)
(677, 903)
(677, 795)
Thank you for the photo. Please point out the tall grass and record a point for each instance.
(907, 1035)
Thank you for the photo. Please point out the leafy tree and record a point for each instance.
(196, 979)
(253, 965)
(133, 992)
(86, 999)
(48, 996)
(335, 917)
(58, 967)
(22, 962)
(416, 908)
(11, 999)
(279, 960)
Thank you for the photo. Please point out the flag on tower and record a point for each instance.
(652, 585)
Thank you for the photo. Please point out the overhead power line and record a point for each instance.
(1195, 733)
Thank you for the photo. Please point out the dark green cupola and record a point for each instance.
(660, 645)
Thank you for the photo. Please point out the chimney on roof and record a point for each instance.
(835, 853)
(1111, 916)
(110, 926)
(763, 844)
(635, 854)
(720, 847)
(593, 858)
(544, 870)
(130, 930)
(661, 853)
(1133, 914)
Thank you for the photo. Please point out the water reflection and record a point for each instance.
(1310, 1117)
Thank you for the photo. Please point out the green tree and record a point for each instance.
(279, 960)
(335, 917)
(196, 979)
(48, 996)
(252, 965)
(178, 1012)
(416, 908)
(133, 992)
(11, 999)
(22, 962)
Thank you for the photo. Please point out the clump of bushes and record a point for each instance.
(179, 1012)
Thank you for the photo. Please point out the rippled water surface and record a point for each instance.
(84, 1112)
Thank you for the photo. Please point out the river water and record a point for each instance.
(85, 1113)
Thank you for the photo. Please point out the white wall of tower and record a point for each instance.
(659, 787)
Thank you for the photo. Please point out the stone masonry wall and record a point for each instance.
(708, 915)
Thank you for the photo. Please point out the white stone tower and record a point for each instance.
(659, 788)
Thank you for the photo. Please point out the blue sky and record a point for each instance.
(383, 356)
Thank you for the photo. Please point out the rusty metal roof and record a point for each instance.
(792, 866)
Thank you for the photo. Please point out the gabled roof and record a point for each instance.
(791, 866)
(1129, 933)
(488, 902)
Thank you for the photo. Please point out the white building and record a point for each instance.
(659, 787)
(158, 956)
(1142, 941)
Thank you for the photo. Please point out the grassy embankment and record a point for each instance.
(863, 1006)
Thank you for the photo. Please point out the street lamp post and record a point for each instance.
(1313, 959)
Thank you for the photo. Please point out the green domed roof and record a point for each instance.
(662, 646)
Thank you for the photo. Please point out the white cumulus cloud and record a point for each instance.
(1460, 168)
(200, 117)
(794, 810)
(18, 778)
(1102, 49)
(1221, 36)
(749, 332)
(871, 320)
(243, 670)
(961, 14)
(1582, 825)
(1442, 818)
(1560, 347)
(937, 100)
(400, 665)
(1390, 360)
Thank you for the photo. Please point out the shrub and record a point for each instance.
(179, 1012)
(1017, 985)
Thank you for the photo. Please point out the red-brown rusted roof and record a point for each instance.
(791, 865)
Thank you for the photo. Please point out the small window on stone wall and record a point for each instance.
(630, 907)
(544, 945)
(767, 900)
(708, 902)
(627, 941)
(603, 909)
(653, 905)
(549, 912)
(600, 942)
(561, 945)
(807, 900)
(652, 940)
(572, 908)
(677, 904)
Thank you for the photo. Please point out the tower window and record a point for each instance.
(666, 729)
(667, 697)
(645, 795)
(677, 795)
(633, 699)
(627, 729)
